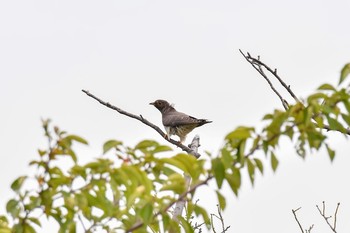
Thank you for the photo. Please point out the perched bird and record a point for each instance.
(177, 123)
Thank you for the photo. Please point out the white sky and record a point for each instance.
(133, 52)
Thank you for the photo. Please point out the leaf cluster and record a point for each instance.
(305, 124)
(116, 192)
(133, 189)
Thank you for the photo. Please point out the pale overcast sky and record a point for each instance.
(133, 52)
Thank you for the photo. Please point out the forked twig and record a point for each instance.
(258, 66)
(224, 229)
(323, 214)
(297, 220)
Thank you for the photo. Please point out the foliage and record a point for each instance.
(132, 189)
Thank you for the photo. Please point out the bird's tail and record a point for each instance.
(203, 122)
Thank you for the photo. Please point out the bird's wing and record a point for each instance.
(174, 119)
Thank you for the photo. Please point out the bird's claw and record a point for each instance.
(166, 136)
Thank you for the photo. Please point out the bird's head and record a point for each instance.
(162, 105)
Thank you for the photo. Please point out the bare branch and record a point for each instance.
(310, 228)
(181, 203)
(224, 229)
(81, 222)
(335, 216)
(323, 214)
(296, 219)
(212, 222)
(146, 122)
(257, 64)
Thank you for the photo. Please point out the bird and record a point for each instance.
(177, 123)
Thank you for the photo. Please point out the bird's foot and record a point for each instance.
(166, 136)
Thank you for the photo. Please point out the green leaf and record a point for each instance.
(162, 148)
(18, 228)
(226, 158)
(146, 144)
(316, 96)
(201, 211)
(146, 213)
(219, 171)
(331, 153)
(5, 229)
(347, 105)
(251, 170)
(265, 146)
(42, 152)
(346, 118)
(135, 194)
(222, 200)
(28, 228)
(77, 139)
(274, 129)
(12, 207)
(234, 180)
(326, 87)
(72, 154)
(77, 170)
(166, 222)
(186, 225)
(268, 117)
(274, 161)
(35, 221)
(34, 202)
(17, 184)
(241, 132)
(176, 183)
(187, 163)
(109, 145)
(259, 165)
(344, 73)
(3, 220)
(175, 163)
(190, 163)
(335, 125)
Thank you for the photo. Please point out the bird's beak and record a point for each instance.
(151, 103)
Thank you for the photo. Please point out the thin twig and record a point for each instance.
(335, 216)
(146, 122)
(296, 219)
(82, 223)
(323, 214)
(310, 228)
(212, 222)
(256, 62)
(224, 229)
(257, 65)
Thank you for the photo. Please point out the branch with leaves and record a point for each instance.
(144, 187)
(260, 66)
(134, 188)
